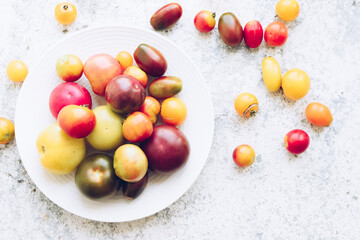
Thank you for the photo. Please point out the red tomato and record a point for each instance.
(296, 141)
(204, 21)
(253, 34)
(276, 34)
(76, 121)
(68, 93)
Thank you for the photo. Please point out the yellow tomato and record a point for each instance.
(7, 130)
(244, 155)
(296, 84)
(246, 104)
(173, 111)
(125, 59)
(69, 68)
(17, 71)
(271, 73)
(288, 10)
(137, 73)
(65, 13)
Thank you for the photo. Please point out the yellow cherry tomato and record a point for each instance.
(296, 84)
(246, 104)
(7, 130)
(271, 73)
(17, 71)
(288, 10)
(318, 114)
(125, 59)
(244, 155)
(69, 68)
(137, 73)
(65, 13)
(173, 111)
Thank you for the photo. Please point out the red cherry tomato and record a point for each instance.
(204, 21)
(68, 93)
(253, 34)
(276, 34)
(296, 141)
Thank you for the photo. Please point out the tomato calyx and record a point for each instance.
(213, 14)
(252, 112)
(66, 7)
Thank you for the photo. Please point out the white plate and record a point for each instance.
(32, 115)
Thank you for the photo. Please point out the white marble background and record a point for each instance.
(312, 196)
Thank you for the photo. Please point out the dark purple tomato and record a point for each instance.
(133, 190)
(150, 60)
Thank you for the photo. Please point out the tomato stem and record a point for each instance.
(252, 113)
(213, 14)
(65, 7)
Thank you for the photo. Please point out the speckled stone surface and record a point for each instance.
(311, 196)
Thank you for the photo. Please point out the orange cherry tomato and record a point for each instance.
(244, 155)
(125, 59)
(318, 114)
(246, 104)
(7, 130)
(137, 73)
(276, 34)
(151, 108)
(173, 111)
(65, 13)
(17, 71)
(137, 127)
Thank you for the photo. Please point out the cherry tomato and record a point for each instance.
(276, 34)
(65, 13)
(295, 84)
(287, 10)
(253, 34)
(296, 141)
(271, 74)
(151, 108)
(17, 71)
(166, 16)
(137, 127)
(230, 29)
(318, 114)
(7, 130)
(69, 68)
(173, 111)
(244, 155)
(137, 73)
(246, 104)
(204, 21)
(125, 59)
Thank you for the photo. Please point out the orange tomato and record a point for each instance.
(7, 130)
(137, 127)
(125, 59)
(318, 114)
(17, 71)
(65, 13)
(137, 73)
(246, 104)
(244, 155)
(151, 108)
(173, 111)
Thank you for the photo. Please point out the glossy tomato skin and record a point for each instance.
(287, 10)
(76, 121)
(167, 149)
(204, 21)
(65, 13)
(95, 176)
(318, 114)
(276, 34)
(137, 127)
(69, 68)
(137, 73)
(253, 34)
(295, 84)
(173, 111)
(68, 93)
(165, 87)
(166, 16)
(271, 73)
(133, 190)
(296, 141)
(124, 94)
(7, 130)
(244, 155)
(150, 60)
(246, 105)
(17, 71)
(230, 29)
(151, 108)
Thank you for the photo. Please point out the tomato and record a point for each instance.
(137, 127)
(151, 108)
(244, 155)
(59, 153)
(17, 71)
(287, 10)
(204, 21)
(133, 190)
(230, 29)
(130, 163)
(69, 68)
(65, 13)
(150, 60)
(7, 130)
(165, 87)
(296, 141)
(76, 121)
(295, 84)
(166, 16)
(173, 111)
(271, 74)
(253, 34)
(107, 134)
(125, 59)
(95, 176)
(276, 34)
(246, 104)
(318, 114)
(137, 73)
(68, 93)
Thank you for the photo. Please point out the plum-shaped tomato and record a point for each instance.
(318, 114)
(165, 87)
(230, 29)
(166, 16)
(253, 34)
(150, 60)
(137, 127)
(167, 149)
(133, 190)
